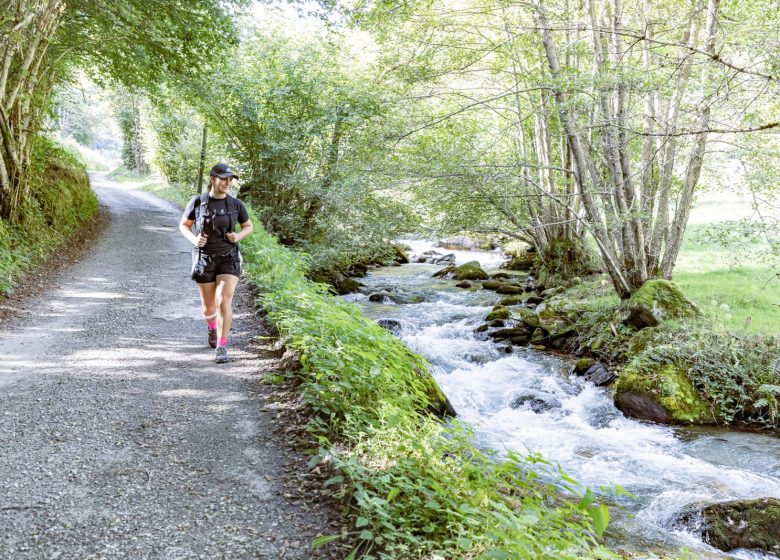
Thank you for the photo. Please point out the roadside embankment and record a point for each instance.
(59, 217)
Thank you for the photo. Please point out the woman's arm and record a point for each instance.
(246, 229)
(185, 227)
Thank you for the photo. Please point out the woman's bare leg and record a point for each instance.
(208, 301)
(226, 286)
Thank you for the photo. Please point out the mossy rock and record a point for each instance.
(655, 301)
(469, 271)
(660, 393)
(752, 524)
(439, 405)
(510, 333)
(345, 285)
(582, 365)
(510, 289)
(512, 300)
(557, 317)
(492, 284)
(400, 255)
(538, 337)
(521, 261)
(499, 312)
(528, 317)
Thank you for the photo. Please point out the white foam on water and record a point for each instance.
(486, 259)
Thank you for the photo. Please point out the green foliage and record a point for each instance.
(178, 130)
(60, 201)
(128, 106)
(160, 39)
(738, 376)
(303, 121)
(418, 487)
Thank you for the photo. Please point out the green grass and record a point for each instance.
(728, 291)
(122, 175)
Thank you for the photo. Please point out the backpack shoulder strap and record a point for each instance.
(201, 201)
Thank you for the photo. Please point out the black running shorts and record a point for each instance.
(206, 268)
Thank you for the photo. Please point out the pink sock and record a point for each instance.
(213, 325)
(222, 341)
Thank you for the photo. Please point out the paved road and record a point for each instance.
(119, 435)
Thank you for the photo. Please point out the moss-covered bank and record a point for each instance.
(60, 202)
(675, 364)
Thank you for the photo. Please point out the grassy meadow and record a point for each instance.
(740, 292)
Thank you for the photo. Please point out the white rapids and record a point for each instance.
(527, 402)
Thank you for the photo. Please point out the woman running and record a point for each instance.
(216, 258)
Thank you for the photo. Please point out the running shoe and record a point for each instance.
(213, 338)
(220, 355)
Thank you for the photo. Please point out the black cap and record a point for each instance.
(223, 170)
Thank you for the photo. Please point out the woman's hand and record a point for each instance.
(201, 239)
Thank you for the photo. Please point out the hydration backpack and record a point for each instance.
(201, 204)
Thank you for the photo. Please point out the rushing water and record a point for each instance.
(526, 401)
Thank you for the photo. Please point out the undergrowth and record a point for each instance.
(60, 201)
(736, 372)
(418, 487)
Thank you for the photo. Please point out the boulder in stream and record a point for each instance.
(660, 393)
(448, 260)
(511, 300)
(510, 333)
(534, 403)
(400, 256)
(599, 375)
(498, 312)
(392, 325)
(510, 289)
(346, 285)
(469, 271)
(526, 316)
(752, 524)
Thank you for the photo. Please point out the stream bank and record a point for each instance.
(524, 399)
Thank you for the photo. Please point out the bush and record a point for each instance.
(738, 375)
